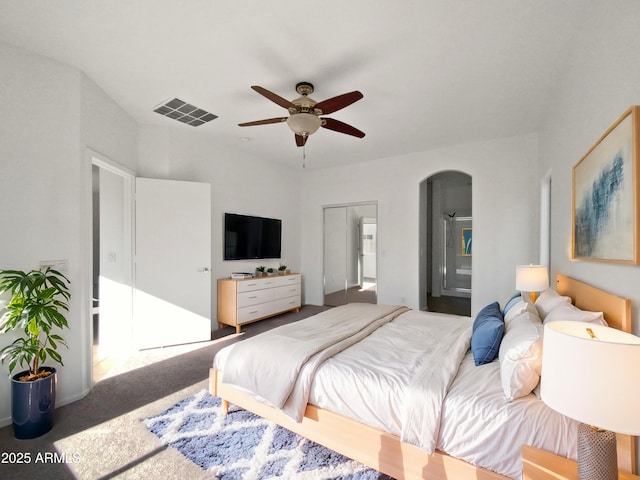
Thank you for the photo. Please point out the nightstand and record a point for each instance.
(541, 465)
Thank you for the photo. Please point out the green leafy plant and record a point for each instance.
(37, 299)
(282, 267)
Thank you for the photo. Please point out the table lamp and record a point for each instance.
(587, 375)
(532, 279)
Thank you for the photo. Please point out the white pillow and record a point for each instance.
(520, 355)
(518, 309)
(571, 313)
(548, 300)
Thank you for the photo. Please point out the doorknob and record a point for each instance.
(204, 269)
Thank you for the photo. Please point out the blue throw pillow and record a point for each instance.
(488, 330)
(511, 302)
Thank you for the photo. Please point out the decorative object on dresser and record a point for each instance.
(532, 279)
(241, 275)
(606, 219)
(243, 301)
(585, 366)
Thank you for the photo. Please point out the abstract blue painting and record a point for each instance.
(604, 216)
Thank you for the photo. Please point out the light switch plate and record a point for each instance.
(59, 265)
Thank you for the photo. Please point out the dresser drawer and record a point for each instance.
(287, 280)
(287, 303)
(288, 291)
(254, 297)
(247, 314)
(256, 284)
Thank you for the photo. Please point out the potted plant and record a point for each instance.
(282, 269)
(270, 271)
(259, 271)
(37, 299)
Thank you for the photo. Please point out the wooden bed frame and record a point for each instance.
(384, 451)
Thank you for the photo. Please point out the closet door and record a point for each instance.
(335, 256)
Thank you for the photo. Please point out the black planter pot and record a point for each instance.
(33, 404)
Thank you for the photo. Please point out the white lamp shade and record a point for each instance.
(304, 123)
(592, 380)
(532, 278)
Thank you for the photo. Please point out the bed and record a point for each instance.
(469, 439)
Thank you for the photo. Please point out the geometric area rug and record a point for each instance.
(244, 446)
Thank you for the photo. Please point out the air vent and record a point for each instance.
(184, 112)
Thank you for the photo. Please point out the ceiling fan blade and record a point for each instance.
(300, 140)
(283, 102)
(263, 122)
(336, 103)
(338, 126)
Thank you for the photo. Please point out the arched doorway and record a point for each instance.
(446, 242)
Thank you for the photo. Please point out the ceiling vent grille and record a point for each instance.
(184, 112)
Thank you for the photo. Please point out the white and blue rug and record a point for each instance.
(244, 446)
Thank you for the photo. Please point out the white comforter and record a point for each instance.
(278, 366)
(447, 340)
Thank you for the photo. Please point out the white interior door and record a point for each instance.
(172, 301)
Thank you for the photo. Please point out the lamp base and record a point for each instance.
(597, 455)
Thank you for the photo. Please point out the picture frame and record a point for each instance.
(466, 239)
(605, 219)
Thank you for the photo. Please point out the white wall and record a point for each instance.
(39, 190)
(45, 187)
(602, 80)
(500, 169)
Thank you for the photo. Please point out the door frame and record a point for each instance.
(347, 205)
(92, 158)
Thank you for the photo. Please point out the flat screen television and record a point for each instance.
(247, 237)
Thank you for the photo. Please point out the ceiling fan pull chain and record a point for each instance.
(304, 156)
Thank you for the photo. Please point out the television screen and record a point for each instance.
(247, 237)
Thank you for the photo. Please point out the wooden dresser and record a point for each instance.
(247, 300)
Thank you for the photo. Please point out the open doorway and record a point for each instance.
(112, 272)
(350, 254)
(446, 234)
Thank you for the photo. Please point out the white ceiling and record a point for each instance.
(433, 72)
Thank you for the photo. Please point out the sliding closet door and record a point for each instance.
(335, 256)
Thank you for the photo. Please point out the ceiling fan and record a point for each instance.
(305, 113)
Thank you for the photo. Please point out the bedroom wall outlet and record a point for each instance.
(60, 265)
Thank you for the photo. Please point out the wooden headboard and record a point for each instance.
(617, 310)
(617, 313)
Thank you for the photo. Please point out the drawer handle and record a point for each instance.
(255, 311)
(253, 296)
(251, 284)
(292, 290)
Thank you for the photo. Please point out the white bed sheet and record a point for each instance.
(366, 383)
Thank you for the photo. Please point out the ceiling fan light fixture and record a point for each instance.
(304, 124)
